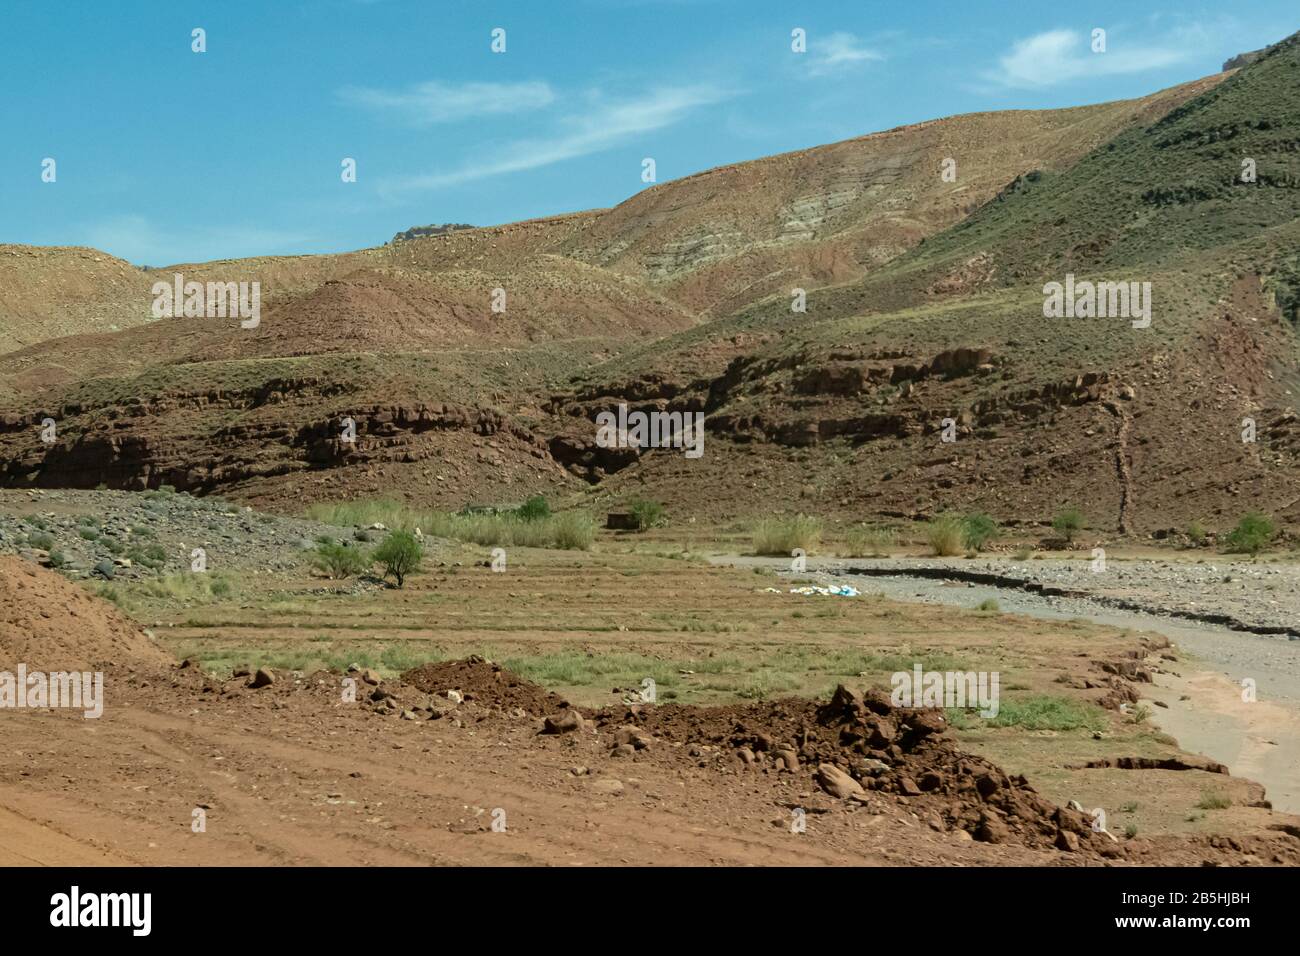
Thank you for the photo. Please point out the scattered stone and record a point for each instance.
(838, 783)
(565, 722)
(787, 760)
(1067, 840)
(992, 829)
(633, 736)
(263, 678)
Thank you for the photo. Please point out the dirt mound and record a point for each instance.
(857, 746)
(486, 684)
(50, 624)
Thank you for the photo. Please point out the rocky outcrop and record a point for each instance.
(123, 447)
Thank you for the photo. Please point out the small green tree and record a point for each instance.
(1251, 536)
(400, 554)
(1068, 523)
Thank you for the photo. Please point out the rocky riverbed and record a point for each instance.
(1229, 590)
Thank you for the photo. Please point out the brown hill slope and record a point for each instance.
(836, 411)
(712, 242)
(844, 407)
(729, 236)
(51, 291)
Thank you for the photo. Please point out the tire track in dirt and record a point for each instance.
(264, 807)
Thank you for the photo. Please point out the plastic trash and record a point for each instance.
(835, 590)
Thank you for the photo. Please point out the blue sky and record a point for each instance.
(166, 155)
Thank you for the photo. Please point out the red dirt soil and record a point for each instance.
(294, 773)
(50, 624)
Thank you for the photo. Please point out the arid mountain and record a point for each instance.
(1141, 426)
(925, 302)
(51, 291)
(714, 241)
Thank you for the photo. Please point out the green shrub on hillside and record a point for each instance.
(1251, 536)
(1068, 523)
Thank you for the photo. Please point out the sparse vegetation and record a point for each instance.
(978, 529)
(1067, 523)
(1213, 800)
(152, 556)
(646, 514)
(945, 535)
(783, 534)
(1251, 535)
(339, 560)
(869, 541)
(400, 554)
(490, 528)
(41, 540)
(988, 604)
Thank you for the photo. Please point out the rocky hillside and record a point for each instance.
(922, 376)
(708, 243)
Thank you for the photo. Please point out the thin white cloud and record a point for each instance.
(1063, 56)
(837, 52)
(599, 124)
(138, 240)
(433, 102)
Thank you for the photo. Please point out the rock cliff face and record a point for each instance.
(237, 437)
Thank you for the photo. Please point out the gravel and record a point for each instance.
(133, 535)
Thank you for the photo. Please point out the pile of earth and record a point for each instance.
(860, 746)
(485, 684)
(855, 745)
(50, 624)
